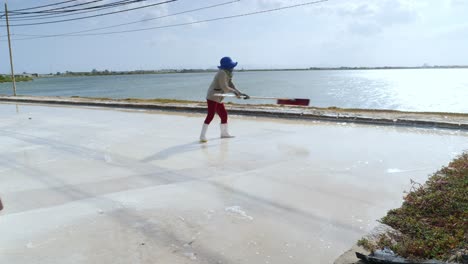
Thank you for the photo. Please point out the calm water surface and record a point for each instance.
(442, 90)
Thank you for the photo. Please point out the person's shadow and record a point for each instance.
(174, 150)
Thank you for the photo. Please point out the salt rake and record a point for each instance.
(281, 101)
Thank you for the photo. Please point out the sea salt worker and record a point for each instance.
(222, 83)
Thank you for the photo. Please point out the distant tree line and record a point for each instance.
(18, 78)
(95, 72)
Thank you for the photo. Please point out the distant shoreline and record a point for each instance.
(171, 71)
(391, 68)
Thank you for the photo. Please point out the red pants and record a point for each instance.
(215, 107)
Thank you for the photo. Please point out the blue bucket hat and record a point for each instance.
(227, 63)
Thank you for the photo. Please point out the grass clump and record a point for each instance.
(367, 244)
(433, 219)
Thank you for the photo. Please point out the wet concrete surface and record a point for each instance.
(84, 185)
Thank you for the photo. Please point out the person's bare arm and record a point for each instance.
(239, 93)
(231, 84)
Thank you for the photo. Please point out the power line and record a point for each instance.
(98, 8)
(36, 7)
(139, 21)
(54, 12)
(180, 24)
(104, 14)
(48, 15)
(16, 13)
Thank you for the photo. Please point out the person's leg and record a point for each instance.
(212, 105)
(224, 118)
(209, 117)
(222, 113)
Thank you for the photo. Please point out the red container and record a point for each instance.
(304, 102)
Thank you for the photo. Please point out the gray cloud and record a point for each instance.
(365, 28)
(372, 18)
(458, 3)
(270, 3)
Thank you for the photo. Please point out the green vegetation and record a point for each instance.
(6, 78)
(433, 219)
(367, 244)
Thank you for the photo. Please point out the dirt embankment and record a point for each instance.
(363, 116)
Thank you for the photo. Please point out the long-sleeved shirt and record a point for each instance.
(222, 83)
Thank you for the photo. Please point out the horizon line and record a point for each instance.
(251, 69)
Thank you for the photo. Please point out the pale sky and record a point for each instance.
(328, 34)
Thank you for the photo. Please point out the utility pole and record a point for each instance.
(11, 55)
